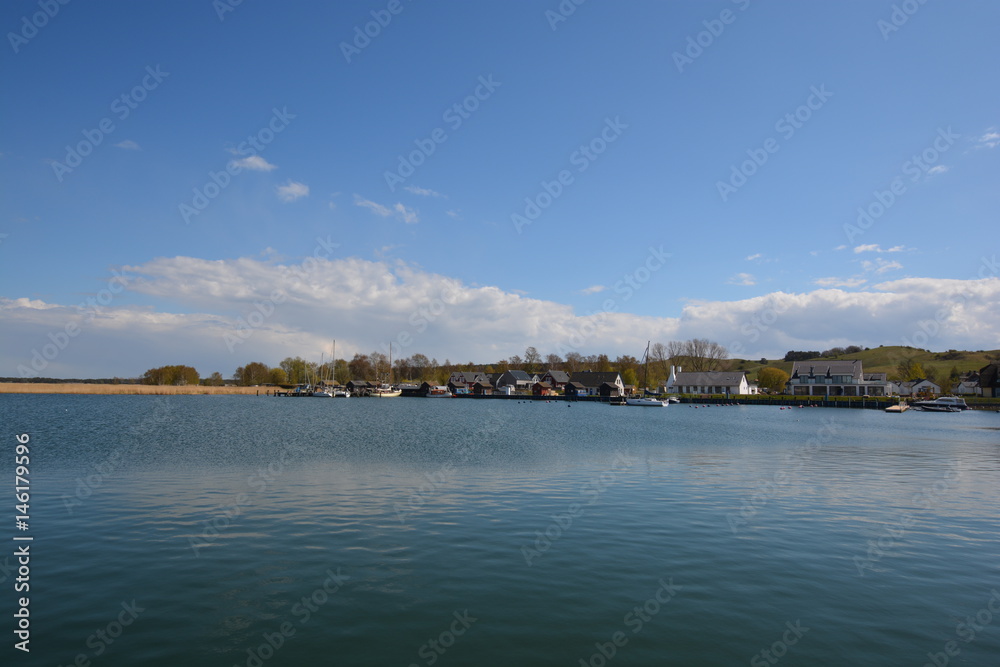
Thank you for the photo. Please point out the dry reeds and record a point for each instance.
(160, 390)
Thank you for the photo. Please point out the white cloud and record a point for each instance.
(742, 279)
(377, 209)
(423, 192)
(840, 282)
(841, 247)
(407, 215)
(292, 190)
(128, 145)
(990, 139)
(879, 266)
(365, 304)
(938, 169)
(452, 214)
(874, 247)
(754, 256)
(593, 289)
(256, 163)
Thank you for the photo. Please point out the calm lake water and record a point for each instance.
(258, 531)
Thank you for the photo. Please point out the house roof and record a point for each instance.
(595, 378)
(575, 385)
(914, 383)
(520, 375)
(468, 377)
(562, 377)
(709, 378)
(850, 367)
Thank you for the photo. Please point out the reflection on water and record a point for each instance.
(495, 532)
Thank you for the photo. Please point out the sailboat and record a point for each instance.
(386, 390)
(338, 392)
(646, 401)
(320, 389)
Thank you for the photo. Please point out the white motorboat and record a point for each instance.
(942, 404)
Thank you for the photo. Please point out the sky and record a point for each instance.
(214, 183)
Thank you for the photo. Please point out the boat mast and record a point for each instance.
(645, 370)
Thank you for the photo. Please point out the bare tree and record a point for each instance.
(532, 360)
(380, 366)
(659, 357)
(553, 362)
(574, 362)
(697, 354)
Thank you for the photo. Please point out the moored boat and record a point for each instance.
(942, 404)
(646, 401)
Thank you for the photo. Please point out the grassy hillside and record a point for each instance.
(885, 359)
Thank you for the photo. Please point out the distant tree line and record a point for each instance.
(793, 355)
(692, 355)
(175, 375)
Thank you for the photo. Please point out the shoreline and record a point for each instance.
(125, 389)
(83, 388)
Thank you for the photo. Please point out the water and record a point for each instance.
(486, 532)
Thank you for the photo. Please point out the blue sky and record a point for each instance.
(697, 168)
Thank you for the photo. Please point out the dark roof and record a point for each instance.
(709, 378)
(595, 378)
(562, 377)
(850, 367)
(468, 377)
(520, 375)
(575, 385)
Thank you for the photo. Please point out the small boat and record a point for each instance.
(942, 404)
(341, 393)
(439, 392)
(322, 392)
(646, 401)
(901, 407)
(386, 390)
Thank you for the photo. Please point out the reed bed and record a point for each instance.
(147, 389)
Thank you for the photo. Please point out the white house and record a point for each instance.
(729, 383)
(842, 377)
(921, 386)
(968, 385)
